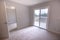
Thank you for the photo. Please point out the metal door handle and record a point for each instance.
(5, 23)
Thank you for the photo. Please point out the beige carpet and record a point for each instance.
(32, 33)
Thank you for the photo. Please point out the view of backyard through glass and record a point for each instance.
(40, 17)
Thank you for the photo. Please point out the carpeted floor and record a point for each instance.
(33, 33)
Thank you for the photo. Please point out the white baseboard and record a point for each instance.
(54, 32)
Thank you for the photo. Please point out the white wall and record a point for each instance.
(12, 27)
(11, 16)
(54, 24)
(22, 14)
(54, 15)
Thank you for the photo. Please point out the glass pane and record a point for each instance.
(43, 18)
(36, 17)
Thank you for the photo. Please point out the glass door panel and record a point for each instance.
(36, 17)
(43, 18)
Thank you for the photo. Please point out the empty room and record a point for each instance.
(29, 19)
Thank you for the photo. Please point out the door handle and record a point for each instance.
(5, 23)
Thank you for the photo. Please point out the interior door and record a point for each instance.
(3, 21)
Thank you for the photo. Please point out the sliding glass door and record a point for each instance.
(40, 17)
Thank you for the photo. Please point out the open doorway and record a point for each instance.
(40, 17)
(11, 18)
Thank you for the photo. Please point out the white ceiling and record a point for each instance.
(30, 2)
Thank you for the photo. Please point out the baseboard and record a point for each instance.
(58, 33)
